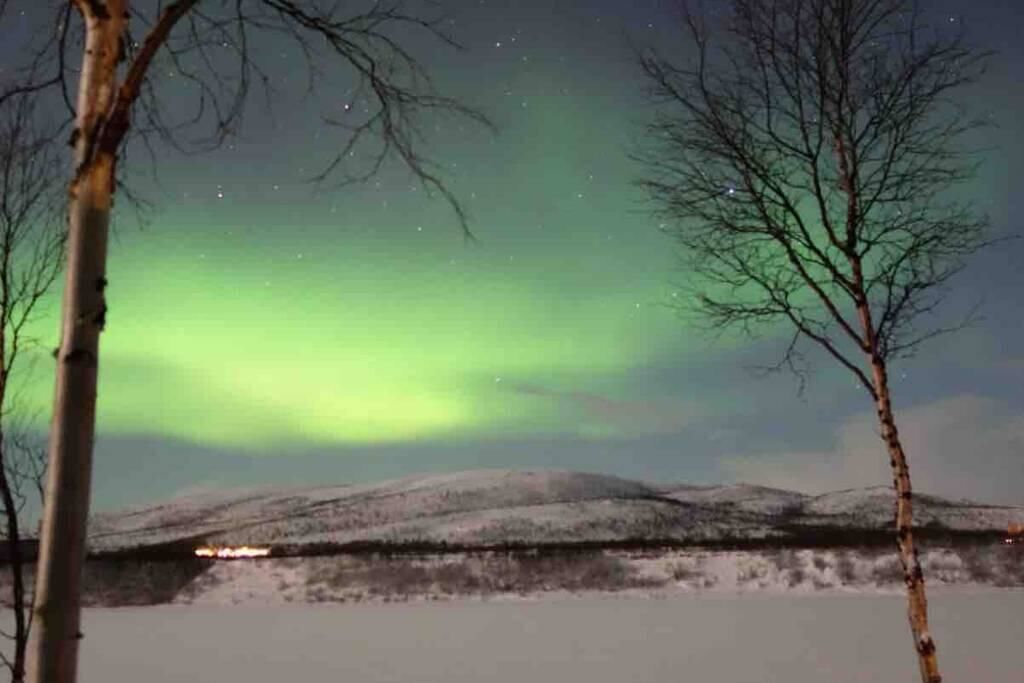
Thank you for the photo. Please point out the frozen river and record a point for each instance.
(708, 638)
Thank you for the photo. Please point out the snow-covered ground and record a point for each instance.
(826, 539)
(664, 573)
(482, 507)
(705, 638)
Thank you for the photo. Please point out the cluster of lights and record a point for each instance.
(226, 553)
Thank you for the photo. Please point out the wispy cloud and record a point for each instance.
(622, 416)
(966, 446)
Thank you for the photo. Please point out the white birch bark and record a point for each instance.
(53, 645)
(913, 577)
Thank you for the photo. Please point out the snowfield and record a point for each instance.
(659, 574)
(705, 638)
(764, 612)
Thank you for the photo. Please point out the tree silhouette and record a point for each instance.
(805, 166)
(31, 245)
(211, 46)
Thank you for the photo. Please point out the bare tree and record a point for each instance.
(807, 165)
(30, 259)
(209, 46)
(22, 476)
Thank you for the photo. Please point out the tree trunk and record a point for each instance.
(53, 647)
(917, 603)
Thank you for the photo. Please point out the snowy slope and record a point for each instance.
(873, 507)
(747, 497)
(498, 506)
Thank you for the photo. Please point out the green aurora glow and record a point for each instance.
(252, 314)
(362, 338)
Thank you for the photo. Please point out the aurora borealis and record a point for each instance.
(361, 340)
(262, 331)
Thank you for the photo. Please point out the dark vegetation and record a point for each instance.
(479, 574)
(792, 536)
(385, 570)
(389, 572)
(127, 582)
(110, 582)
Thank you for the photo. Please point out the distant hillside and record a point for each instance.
(488, 507)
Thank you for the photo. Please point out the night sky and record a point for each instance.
(262, 332)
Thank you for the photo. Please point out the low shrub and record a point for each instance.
(978, 563)
(137, 582)
(796, 576)
(887, 570)
(478, 574)
(846, 568)
(683, 571)
(750, 573)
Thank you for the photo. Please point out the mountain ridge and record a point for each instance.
(491, 507)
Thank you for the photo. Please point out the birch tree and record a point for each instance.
(808, 165)
(210, 45)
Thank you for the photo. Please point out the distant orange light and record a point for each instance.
(228, 553)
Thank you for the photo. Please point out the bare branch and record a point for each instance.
(31, 247)
(190, 39)
(739, 148)
(803, 166)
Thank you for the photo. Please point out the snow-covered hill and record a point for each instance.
(746, 497)
(485, 507)
(873, 507)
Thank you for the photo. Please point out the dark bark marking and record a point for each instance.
(98, 9)
(80, 357)
(100, 319)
